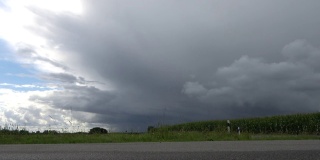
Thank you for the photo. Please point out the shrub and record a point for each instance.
(23, 132)
(50, 132)
(98, 130)
(151, 129)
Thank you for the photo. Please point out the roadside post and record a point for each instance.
(239, 130)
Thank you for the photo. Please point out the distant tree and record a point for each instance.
(98, 130)
(150, 129)
(23, 132)
(5, 131)
(50, 132)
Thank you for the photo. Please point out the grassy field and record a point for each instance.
(143, 137)
(288, 127)
(112, 138)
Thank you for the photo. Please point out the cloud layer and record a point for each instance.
(128, 64)
(251, 86)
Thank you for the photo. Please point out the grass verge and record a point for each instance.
(144, 137)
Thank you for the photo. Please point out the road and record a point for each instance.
(222, 150)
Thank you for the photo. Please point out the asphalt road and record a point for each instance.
(235, 150)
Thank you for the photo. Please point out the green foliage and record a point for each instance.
(14, 132)
(163, 136)
(24, 132)
(151, 129)
(291, 127)
(289, 124)
(98, 130)
(50, 132)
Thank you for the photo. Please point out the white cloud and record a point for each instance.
(17, 108)
(20, 27)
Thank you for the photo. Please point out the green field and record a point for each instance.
(286, 124)
(144, 137)
(289, 127)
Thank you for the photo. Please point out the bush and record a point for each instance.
(23, 132)
(98, 130)
(50, 132)
(151, 129)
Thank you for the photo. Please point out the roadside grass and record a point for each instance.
(284, 137)
(165, 136)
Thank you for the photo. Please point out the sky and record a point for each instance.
(125, 65)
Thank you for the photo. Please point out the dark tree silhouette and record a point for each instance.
(98, 130)
(151, 129)
(50, 132)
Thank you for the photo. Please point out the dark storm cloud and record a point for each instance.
(166, 57)
(257, 87)
(79, 98)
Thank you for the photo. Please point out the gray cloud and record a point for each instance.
(28, 52)
(164, 59)
(65, 78)
(269, 88)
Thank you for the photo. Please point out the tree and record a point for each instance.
(98, 130)
(50, 132)
(23, 132)
(151, 129)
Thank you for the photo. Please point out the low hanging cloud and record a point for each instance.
(252, 86)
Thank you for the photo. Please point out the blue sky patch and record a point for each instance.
(12, 72)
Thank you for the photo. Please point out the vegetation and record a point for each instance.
(291, 127)
(288, 124)
(50, 132)
(142, 137)
(151, 129)
(98, 130)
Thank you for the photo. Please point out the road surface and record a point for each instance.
(235, 150)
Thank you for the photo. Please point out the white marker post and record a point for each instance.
(239, 130)
(228, 126)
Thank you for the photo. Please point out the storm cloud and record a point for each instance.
(255, 87)
(139, 63)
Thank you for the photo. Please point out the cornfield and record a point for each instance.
(288, 124)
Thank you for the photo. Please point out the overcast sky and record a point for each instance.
(126, 65)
